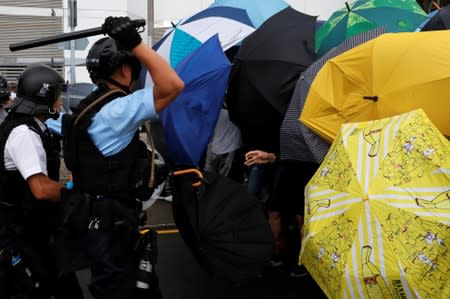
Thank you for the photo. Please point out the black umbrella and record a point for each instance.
(439, 21)
(224, 226)
(266, 69)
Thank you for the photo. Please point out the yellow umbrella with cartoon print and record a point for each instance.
(377, 212)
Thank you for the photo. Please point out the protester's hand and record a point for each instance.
(122, 30)
(259, 157)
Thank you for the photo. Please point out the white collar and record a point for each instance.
(41, 125)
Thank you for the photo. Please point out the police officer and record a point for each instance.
(102, 146)
(30, 191)
(4, 97)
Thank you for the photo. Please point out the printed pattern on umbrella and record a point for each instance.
(382, 231)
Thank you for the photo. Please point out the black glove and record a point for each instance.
(121, 29)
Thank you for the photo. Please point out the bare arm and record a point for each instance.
(167, 83)
(43, 188)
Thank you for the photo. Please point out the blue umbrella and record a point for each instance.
(190, 120)
(258, 10)
(231, 24)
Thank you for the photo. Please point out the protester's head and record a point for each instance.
(105, 57)
(39, 91)
(4, 92)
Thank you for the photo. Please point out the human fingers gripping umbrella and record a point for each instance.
(257, 10)
(231, 24)
(190, 120)
(297, 141)
(363, 15)
(383, 77)
(377, 211)
(224, 226)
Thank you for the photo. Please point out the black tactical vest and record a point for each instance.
(18, 206)
(93, 173)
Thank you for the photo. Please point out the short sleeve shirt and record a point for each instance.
(25, 152)
(114, 126)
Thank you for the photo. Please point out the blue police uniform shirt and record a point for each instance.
(114, 126)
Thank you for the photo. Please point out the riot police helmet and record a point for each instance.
(38, 88)
(4, 92)
(106, 56)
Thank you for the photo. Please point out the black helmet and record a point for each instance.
(38, 88)
(4, 92)
(105, 56)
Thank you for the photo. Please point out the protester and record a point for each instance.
(5, 97)
(285, 210)
(30, 191)
(225, 141)
(103, 144)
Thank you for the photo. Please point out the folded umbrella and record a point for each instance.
(190, 120)
(224, 226)
(377, 215)
(383, 77)
(363, 15)
(297, 141)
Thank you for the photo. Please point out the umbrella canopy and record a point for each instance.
(383, 77)
(363, 15)
(75, 93)
(257, 10)
(231, 24)
(437, 20)
(223, 225)
(265, 71)
(297, 141)
(190, 120)
(377, 215)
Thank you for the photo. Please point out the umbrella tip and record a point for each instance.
(348, 7)
(173, 24)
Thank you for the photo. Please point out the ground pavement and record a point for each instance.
(182, 278)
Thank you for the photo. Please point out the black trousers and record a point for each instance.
(113, 273)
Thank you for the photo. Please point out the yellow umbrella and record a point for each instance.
(377, 212)
(391, 74)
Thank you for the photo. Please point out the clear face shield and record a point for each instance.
(53, 93)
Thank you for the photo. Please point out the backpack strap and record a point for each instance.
(96, 102)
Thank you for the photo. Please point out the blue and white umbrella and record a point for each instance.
(231, 24)
(258, 10)
(190, 120)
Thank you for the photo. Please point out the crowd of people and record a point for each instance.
(94, 220)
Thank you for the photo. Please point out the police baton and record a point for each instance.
(65, 37)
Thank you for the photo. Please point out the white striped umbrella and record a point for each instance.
(377, 212)
(231, 24)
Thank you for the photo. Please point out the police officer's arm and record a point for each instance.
(167, 83)
(43, 188)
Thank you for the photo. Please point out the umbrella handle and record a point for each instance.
(191, 170)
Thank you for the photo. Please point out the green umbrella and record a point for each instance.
(364, 15)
